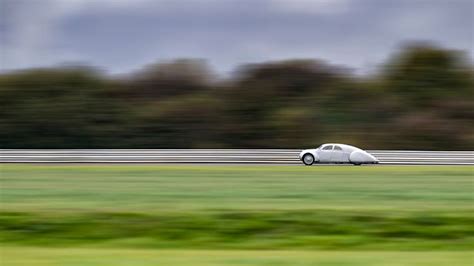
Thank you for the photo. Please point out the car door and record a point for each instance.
(337, 155)
(325, 154)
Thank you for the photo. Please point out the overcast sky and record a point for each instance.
(124, 35)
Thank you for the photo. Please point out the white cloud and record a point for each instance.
(312, 6)
(228, 32)
(29, 34)
(32, 29)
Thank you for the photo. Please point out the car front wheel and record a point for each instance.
(308, 159)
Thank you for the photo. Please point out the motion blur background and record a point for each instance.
(142, 74)
(392, 74)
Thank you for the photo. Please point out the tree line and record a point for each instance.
(421, 98)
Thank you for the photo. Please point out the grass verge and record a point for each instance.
(13, 256)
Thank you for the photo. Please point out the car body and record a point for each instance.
(337, 153)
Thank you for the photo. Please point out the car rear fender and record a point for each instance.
(361, 157)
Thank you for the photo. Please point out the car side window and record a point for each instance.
(337, 148)
(327, 148)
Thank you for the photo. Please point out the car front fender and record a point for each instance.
(316, 157)
(312, 152)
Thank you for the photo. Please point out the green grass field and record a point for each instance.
(143, 257)
(236, 215)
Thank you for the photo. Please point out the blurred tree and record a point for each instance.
(260, 91)
(294, 127)
(188, 121)
(423, 99)
(55, 108)
(422, 75)
(434, 87)
(163, 80)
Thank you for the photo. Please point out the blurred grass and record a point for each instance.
(340, 230)
(152, 188)
(117, 257)
(238, 207)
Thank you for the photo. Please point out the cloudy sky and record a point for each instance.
(123, 35)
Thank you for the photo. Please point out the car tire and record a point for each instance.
(308, 159)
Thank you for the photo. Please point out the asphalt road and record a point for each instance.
(221, 156)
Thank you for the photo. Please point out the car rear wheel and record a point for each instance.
(308, 159)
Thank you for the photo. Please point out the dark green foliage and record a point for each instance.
(423, 99)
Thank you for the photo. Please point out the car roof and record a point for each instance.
(343, 146)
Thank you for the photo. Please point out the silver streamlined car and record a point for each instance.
(337, 153)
